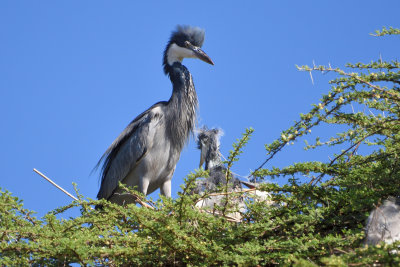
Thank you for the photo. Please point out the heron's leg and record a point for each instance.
(165, 188)
(144, 185)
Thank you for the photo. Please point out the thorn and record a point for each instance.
(352, 108)
(312, 80)
(371, 113)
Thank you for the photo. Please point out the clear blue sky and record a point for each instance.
(73, 74)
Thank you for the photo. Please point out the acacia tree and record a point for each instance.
(318, 217)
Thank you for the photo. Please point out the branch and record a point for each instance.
(315, 180)
(56, 185)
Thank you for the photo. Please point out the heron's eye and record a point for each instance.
(187, 44)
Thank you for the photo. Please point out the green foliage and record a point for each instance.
(384, 31)
(320, 207)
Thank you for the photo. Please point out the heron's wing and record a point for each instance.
(127, 150)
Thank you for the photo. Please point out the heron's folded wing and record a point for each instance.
(126, 151)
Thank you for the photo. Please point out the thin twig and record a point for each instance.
(229, 193)
(56, 185)
(282, 145)
(315, 180)
(139, 201)
(144, 204)
(360, 80)
(245, 177)
(227, 217)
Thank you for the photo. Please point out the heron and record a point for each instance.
(208, 141)
(210, 155)
(145, 154)
(383, 223)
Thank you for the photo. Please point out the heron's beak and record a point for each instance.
(200, 54)
(202, 156)
(248, 184)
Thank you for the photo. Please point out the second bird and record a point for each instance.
(145, 154)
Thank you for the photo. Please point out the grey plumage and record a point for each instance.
(145, 154)
(383, 224)
(210, 155)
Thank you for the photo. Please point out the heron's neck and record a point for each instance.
(182, 105)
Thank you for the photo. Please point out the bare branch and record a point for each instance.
(56, 185)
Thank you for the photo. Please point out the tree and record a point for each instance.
(319, 213)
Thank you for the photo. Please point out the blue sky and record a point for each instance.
(73, 74)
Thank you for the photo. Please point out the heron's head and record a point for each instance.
(185, 42)
(208, 143)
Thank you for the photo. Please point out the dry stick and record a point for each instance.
(229, 193)
(224, 194)
(56, 185)
(227, 217)
(141, 202)
(66, 192)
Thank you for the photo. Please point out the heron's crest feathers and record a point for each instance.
(194, 35)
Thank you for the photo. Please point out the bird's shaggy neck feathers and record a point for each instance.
(183, 104)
